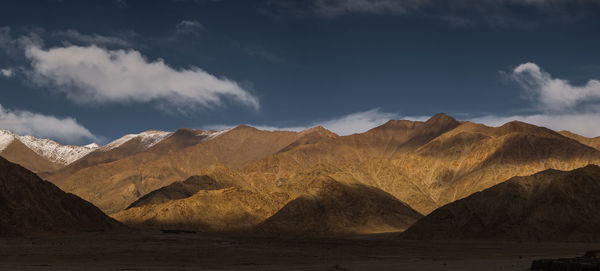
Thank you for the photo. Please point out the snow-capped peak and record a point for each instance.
(92, 146)
(55, 152)
(6, 137)
(47, 148)
(147, 139)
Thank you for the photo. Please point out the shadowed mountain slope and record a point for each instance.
(593, 142)
(333, 208)
(320, 206)
(179, 190)
(31, 205)
(551, 205)
(225, 210)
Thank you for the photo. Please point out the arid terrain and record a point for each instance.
(152, 250)
(439, 194)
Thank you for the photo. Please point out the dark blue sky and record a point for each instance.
(306, 64)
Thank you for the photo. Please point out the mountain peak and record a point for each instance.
(398, 123)
(318, 130)
(243, 127)
(47, 148)
(147, 139)
(441, 118)
(6, 137)
(185, 131)
(516, 126)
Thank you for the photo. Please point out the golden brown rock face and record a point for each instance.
(31, 205)
(551, 205)
(389, 140)
(230, 209)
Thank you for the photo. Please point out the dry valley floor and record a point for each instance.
(154, 250)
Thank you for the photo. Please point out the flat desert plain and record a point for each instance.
(155, 250)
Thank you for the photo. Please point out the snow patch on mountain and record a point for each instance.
(68, 154)
(6, 138)
(47, 148)
(56, 152)
(147, 139)
(216, 134)
(92, 145)
(204, 132)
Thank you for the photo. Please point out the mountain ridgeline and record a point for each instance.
(318, 183)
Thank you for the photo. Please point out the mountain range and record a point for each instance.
(40, 155)
(397, 176)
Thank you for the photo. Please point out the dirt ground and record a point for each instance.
(153, 250)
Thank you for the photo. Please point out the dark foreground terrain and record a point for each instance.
(189, 251)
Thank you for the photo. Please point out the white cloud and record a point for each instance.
(90, 39)
(190, 27)
(346, 125)
(96, 75)
(7, 72)
(554, 94)
(28, 123)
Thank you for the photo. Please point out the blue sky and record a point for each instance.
(80, 71)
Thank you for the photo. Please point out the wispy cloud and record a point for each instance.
(503, 13)
(7, 72)
(97, 75)
(186, 27)
(13, 47)
(70, 36)
(345, 125)
(258, 51)
(121, 3)
(66, 130)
